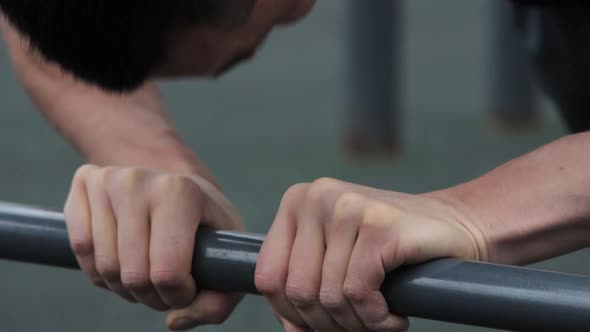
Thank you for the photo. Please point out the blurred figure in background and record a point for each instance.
(132, 217)
(555, 36)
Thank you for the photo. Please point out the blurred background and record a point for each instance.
(285, 118)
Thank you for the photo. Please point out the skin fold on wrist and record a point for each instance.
(466, 220)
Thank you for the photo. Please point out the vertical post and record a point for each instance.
(513, 97)
(373, 124)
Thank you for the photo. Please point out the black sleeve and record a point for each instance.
(558, 39)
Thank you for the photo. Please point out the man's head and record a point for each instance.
(118, 44)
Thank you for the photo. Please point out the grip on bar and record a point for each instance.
(487, 295)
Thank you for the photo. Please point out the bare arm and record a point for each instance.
(535, 207)
(132, 215)
(332, 243)
(107, 129)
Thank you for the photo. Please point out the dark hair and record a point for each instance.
(115, 44)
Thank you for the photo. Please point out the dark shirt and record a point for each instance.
(558, 39)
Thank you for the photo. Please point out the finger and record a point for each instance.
(175, 216)
(104, 235)
(218, 210)
(273, 261)
(366, 272)
(77, 217)
(341, 237)
(208, 308)
(132, 215)
(305, 271)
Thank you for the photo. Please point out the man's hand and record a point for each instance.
(133, 232)
(332, 244)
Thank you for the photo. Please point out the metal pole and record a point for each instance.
(487, 295)
(373, 120)
(514, 103)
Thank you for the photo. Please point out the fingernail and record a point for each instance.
(182, 324)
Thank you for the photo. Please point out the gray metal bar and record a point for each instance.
(33, 235)
(373, 124)
(503, 297)
(494, 296)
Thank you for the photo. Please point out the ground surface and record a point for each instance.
(266, 126)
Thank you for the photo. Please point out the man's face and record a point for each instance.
(210, 50)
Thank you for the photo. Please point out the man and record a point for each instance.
(132, 217)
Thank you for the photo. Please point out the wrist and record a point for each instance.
(167, 153)
(466, 220)
(523, 227)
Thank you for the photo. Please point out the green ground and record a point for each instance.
(266, 126)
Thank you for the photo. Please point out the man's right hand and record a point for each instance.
(133, 232)
(333, 243)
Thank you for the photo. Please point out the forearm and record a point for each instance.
(535, 207)
(107, 129)
(122, 130)
(108, 135)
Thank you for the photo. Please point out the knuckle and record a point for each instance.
(101, 174)
(167, 279)
(377, 216)
(294, 192)
(354, 292)
(82, 246)
(320, 188)
(96, 177)
(177, 185)
(109, 171)
(349, 204)
(332, 301)
(348, 201)
(136, 281)
(108, 268)
(267, 283)
(301, 296)
(127, 179)
(83, 171)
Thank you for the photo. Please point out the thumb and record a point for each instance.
(208, 308)
(218, 211)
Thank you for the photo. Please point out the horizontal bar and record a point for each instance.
(487, 295)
